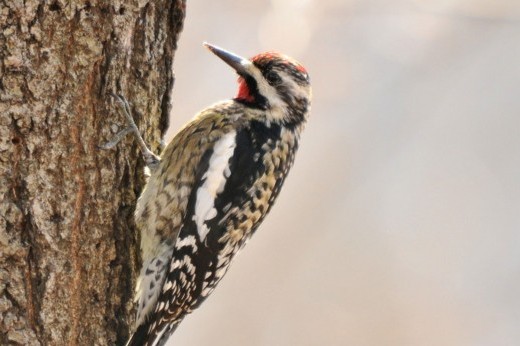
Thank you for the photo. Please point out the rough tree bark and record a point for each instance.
(68, 248)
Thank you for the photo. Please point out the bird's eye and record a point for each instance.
(273, 78)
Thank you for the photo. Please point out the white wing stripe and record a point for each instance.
(218, 171)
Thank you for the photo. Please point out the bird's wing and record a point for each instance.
(224, 200)
(197, 153)
(162, 205)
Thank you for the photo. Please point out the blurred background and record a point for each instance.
(400, 221)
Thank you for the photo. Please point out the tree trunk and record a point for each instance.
(68, 246)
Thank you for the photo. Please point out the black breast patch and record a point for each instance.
(246, 165)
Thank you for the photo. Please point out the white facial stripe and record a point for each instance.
(278, 108)
(216, 176)
(265, 89)
(294, 89)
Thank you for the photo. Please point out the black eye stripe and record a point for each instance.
(272, 77)
(267, 65)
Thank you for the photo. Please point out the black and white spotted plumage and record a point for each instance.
(215, 183)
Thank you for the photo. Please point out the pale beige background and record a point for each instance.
(400, 222)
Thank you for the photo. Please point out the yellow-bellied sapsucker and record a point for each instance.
(212, 186)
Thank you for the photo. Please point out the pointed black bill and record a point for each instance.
(241, 65)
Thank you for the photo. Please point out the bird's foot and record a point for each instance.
(151, 160)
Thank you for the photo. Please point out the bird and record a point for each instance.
(212, 186)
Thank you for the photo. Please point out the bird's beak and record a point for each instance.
(241, 65)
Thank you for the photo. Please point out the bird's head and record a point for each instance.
(273, 82)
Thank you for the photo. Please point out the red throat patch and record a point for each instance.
(243, 91)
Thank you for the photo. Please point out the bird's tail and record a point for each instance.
(139, 337)
(157, 337)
